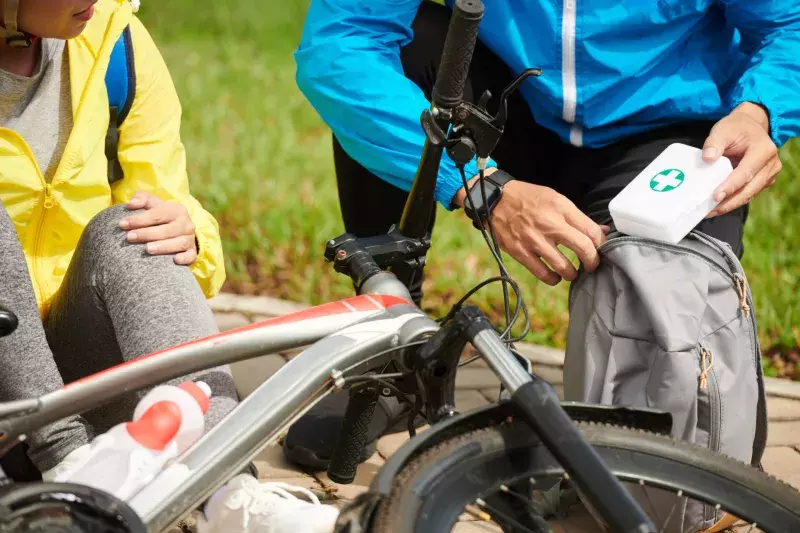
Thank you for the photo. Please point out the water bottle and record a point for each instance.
(130, 455)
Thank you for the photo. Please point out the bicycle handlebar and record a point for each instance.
(448, 91)
(459, 46)
(352, 436)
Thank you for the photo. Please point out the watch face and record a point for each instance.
(476, 194)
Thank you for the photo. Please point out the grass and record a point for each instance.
(260, 161)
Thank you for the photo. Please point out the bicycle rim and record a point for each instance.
(468, 473)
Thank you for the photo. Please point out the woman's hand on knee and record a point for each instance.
(164, 227)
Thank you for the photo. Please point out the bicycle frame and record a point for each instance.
(344, 336)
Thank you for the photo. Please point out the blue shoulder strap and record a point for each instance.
(121, 87)
(117, 75)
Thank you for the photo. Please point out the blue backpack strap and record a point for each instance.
(121, 87)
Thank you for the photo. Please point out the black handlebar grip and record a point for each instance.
(353, 436)
(457, 55)
(8, 322)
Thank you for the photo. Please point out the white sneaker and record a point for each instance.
(246, 505)
(73, 460)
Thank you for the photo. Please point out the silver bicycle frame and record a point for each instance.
(258, 420)
(346, 338)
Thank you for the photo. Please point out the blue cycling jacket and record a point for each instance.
(611, 69)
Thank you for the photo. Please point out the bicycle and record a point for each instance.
(482, 461)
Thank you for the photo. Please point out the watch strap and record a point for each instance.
(493, 187)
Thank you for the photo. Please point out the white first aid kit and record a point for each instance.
(671, 196)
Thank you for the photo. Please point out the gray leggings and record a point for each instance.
(116, 304)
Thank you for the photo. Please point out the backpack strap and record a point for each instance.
(121, 87)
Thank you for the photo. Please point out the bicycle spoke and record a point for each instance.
(694, 527)
(525, 500)
(649, 500)
(494, 512)
(671, 511)
(515, 494)
(477, 513)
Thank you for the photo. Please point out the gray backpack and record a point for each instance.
(671, 327)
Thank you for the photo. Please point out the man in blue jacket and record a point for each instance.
(621, 81)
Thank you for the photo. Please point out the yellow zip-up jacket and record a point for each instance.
(50, 217)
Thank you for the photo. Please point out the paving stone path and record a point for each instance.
(476, 386)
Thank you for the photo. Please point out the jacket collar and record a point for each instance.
(89, 54)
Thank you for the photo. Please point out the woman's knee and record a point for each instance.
(105, 227)
(106, 244)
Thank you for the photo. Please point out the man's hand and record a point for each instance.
(165, 227)
(743, 137)
(530, 221)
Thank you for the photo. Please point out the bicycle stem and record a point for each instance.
(541, 408)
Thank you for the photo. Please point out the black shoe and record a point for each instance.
(311, 440)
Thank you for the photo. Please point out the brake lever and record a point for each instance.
(475, 132)
(502, 113)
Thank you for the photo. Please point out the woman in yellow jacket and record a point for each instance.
(99, 274)
(114, 271)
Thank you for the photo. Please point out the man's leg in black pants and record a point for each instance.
(604, 172)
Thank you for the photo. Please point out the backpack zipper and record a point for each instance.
(610, 244)
(708, 382)
(617, 241)
(741, 288)
(706, 362)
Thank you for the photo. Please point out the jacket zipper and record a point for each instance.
(568, 70)
(48, 202)
(46, 205)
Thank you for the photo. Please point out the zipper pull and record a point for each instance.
(741, 288)
(706, 362)
(48, 196)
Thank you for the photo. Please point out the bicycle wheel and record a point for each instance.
(64, 508)
(505, 476)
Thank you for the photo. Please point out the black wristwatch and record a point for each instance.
(493, 185)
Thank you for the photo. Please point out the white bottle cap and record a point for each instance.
(204, 387)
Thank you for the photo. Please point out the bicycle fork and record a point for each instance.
(542, 409)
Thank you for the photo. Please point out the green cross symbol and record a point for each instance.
(667, 180)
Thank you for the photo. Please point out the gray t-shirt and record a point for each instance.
(39, 108)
